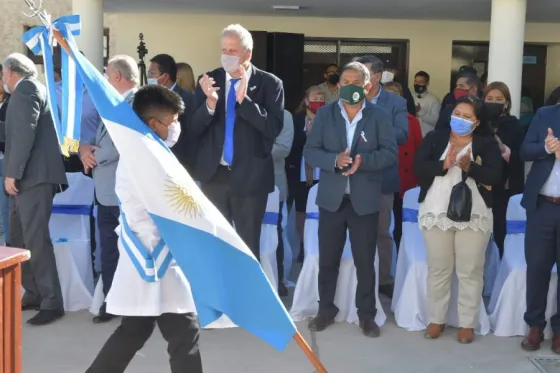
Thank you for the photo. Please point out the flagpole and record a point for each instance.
(309, 353)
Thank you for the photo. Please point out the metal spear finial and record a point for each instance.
(37, 11)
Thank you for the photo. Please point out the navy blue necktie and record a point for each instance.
(230, 122)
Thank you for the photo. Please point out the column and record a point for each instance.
(507, 37)
(90, 40)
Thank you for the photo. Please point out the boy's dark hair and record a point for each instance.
(151, 100)
(166, 65)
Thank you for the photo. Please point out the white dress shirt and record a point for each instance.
(551, 187)
(228, 86)
(350, 130)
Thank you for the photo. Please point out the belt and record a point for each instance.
(555, 200)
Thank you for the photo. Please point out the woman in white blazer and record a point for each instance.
(137, 294)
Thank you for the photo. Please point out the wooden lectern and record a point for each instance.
(10, 308)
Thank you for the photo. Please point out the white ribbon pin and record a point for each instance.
(363, 136)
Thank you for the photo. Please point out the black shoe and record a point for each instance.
(369, 328)
(30, 307)
(103, 316)
(387, 290)
(282, 290)
(45, 317)
(320, 323)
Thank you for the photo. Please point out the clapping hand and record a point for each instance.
(464, 162)
(449, 159)
(207, 83)
(551, 142)
(343, 159)
(242, 90)
(355, 165)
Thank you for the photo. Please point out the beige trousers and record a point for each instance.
(385, 239)
(464, 251)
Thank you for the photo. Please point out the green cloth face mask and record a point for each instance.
(352, 94)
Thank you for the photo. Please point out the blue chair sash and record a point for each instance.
(409, 215)
(271, 218)
(71, 209)
(516, 226)
(312, 215)
(148, 270)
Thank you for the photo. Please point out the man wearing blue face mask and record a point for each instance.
(353, 143)
(163, 71)
(239, 114)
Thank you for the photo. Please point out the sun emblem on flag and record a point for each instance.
(181, 199)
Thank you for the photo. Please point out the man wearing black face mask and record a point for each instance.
(330, 86)
(353, 143)
(427, 105)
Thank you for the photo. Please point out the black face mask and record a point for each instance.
(494, 110)
(334, 79)
(419, 88)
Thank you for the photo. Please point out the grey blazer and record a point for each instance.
(107, 158)
(280, 150)
(396, 108)
(32, 153)
(378, 151)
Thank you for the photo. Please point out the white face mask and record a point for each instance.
(387, 77)
(153, 81)
(230, 63)
(173, 133)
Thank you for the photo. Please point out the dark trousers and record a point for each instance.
(245, 212)
(397, 213)
(332, 238)
(108, 220)
(542, 251)
(30, 212)
(280, 249)
(180, 331)
(499, 211)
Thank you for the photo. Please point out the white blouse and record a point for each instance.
(433, 210)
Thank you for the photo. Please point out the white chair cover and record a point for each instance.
(306, 296)
(410, 297)
(507, 305)
(269, 238)
(70, 232)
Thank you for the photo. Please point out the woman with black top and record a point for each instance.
(300, 176)
(468, 151)
(509, 133)
(4, 210)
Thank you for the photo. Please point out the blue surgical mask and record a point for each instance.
(461, 127)
(153, 81)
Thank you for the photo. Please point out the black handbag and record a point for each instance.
(460, 202)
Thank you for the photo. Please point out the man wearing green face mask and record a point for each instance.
(352, 143)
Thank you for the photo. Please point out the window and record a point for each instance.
(320, 52)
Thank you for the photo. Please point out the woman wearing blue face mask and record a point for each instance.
(468, 151)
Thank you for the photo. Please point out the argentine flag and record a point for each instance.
(224, 275)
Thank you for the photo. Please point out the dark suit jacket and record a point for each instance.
(442, 123)
(512, 133)
(293, 160)
(3, 111)
(533, 150)
(328, 138)
(427, 164)
(185, 148)
(396, 108)
(259, 120)
(32, 154)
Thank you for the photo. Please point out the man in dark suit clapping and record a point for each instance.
(353, 143)
(33, 171)
(239, 114)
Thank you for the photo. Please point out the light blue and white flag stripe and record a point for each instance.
(224, 275)
(39, 40)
